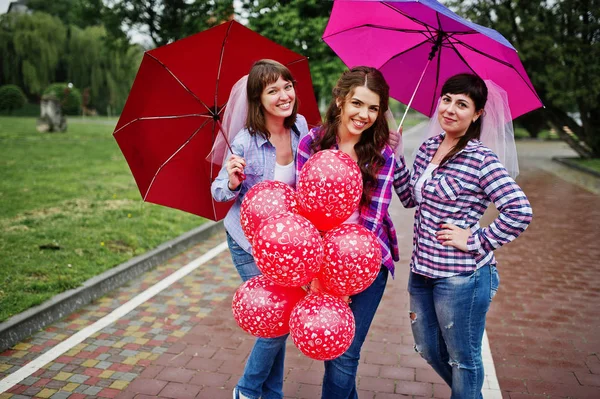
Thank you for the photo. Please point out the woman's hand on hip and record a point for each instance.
(454, 236)
(235, 170)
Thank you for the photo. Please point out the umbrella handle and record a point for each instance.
(413, 95)
(241, 175)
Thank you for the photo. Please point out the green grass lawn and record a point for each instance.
(589, 163)
(69, 210)
(521, 133)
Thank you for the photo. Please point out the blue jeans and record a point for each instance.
(448, 320)
(339, 381)
(263, 374)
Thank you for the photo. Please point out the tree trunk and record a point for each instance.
(534, 122)
(569, 131)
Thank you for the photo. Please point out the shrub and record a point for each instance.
(70, 98)
(11, 98)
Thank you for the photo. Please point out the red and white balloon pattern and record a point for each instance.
(288, 249)
(352, 259)
(322, 326)
(329, 188)
(264, 200)
(262, 308)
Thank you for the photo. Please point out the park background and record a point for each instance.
(69, 207)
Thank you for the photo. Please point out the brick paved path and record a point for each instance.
(544, 324)
(184, 343)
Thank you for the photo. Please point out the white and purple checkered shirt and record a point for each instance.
(375, 217)
(459, 192)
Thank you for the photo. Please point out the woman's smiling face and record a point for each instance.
(359, 111)
(456, 113)
(278, 98)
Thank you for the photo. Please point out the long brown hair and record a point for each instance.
(371, 142)
(474, 87)
(263, 73)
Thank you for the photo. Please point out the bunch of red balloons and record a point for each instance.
(298, 236)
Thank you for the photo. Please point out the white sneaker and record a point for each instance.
(239, 394)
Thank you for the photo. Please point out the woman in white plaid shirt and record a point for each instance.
(453, 270)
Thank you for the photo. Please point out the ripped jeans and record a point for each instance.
(448, 321)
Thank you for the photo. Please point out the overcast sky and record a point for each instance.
(4, 5)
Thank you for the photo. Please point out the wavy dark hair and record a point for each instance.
(474, 87)
(371, 142)
(263, 73)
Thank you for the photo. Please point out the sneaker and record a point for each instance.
(238, 395)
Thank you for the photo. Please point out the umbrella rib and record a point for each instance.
(462, 58)
(382, 27)
(415, 20)
(475, 50)
(437, 76)
(143, 118)
(404, 52)
(509, 65)
(376, 27)
(472, 31)
(173, 155)
(297, 61)
(221, 63)
(178, 81)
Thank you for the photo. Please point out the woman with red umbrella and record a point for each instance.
(355, 124)
(265, 149)
(453, 270)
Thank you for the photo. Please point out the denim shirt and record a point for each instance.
(260, 158)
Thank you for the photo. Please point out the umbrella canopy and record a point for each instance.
(412, 41)
(172, 115)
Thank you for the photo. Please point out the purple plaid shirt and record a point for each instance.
(375, 217)
(459, 192)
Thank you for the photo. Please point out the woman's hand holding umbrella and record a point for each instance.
(235, 169)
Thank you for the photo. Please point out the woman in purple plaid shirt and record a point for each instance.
(453, 270)
(355, 124)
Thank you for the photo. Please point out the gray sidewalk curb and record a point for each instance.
(569, 162)
(32, 320)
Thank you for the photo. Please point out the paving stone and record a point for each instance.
(542, 325)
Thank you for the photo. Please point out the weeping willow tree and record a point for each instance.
(107, 70)
(31, 46)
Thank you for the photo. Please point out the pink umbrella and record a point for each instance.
(422, 41)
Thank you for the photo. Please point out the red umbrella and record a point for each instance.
(173, 111)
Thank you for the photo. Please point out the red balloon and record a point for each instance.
(322, 326)
(329, 188)
(264, 200)
(352, 259)
(262, 308)
(288, 249)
